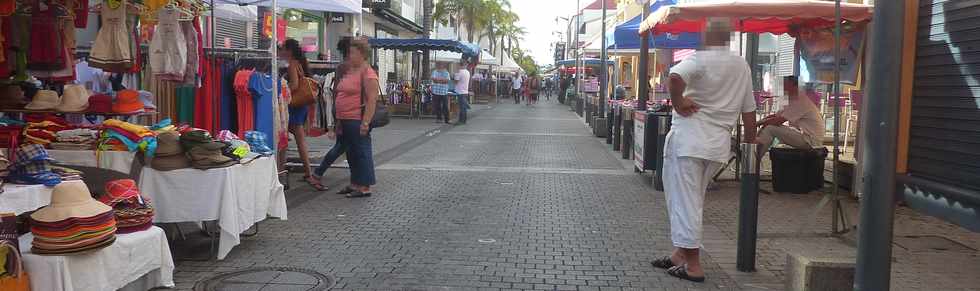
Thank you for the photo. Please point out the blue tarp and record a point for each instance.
(467, 49)
(627, 36)
(585, 62)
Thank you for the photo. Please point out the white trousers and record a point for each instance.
(786, 135)
(685, 182)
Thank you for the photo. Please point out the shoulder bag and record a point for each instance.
(306, 92)
(381, 114)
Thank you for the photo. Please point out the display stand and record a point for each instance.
(135, 261)
(18, 198)
(237, 197)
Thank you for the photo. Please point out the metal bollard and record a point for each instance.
(748, 208)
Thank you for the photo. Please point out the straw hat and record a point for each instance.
(70, 199)
(127, 101)
(75, 99)
(170, 155)
(44, 100)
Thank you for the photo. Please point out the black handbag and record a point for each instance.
(382, 116)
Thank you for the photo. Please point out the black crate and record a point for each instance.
(797, 170)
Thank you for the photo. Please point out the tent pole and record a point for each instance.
(837, 204)
(604, 72)
(643, 88)
(274, 46)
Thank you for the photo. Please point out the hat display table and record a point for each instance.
(237, 197)
(135, 261)
(18, 198)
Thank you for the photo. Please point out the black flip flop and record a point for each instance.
(681, 272)
(345, 191)
(663, 263)
(358, 194)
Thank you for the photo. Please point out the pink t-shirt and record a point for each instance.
(348, 101)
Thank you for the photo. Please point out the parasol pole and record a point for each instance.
(836, 84)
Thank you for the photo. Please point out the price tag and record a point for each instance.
(240, 151)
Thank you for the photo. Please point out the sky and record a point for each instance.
(538, 18)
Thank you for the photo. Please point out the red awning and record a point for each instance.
(754, 16)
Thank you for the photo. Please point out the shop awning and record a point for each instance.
(624, 36)
(411, 44)
(342, 6)
(586, 62)
(754, 16)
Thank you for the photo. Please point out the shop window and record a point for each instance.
(305, 27)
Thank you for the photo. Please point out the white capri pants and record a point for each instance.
(685, 182)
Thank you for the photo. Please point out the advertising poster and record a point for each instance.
(818, 52)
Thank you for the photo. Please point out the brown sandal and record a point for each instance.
(314, 183)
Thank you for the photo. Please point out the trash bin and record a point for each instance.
(797, 170)
(617, 122)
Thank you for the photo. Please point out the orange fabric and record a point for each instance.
(20, 283)
(127, 101)
(245, 104)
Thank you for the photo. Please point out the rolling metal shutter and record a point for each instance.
(944, 143)
(784, 57)
(234, 30)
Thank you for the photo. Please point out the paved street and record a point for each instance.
(521, 198)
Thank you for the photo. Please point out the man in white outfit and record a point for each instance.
(709, 91)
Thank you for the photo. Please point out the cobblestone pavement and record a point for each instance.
(521, 198)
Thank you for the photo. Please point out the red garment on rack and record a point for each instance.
(81, 13)
(204, 114)
(244, 102)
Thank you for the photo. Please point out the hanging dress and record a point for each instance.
(47, 50)
(111, 50)
(168, 49)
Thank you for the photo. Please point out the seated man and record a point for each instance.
(806, 128)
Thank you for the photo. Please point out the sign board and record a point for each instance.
(639, 130)
(376, 4)
(337, 18)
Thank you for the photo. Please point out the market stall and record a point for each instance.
(416, 103)
(152, 96)
(827, 32)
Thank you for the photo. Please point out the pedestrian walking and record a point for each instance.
(708, 90)
(440, 92)
(462, 89)
(357, 94)
(339, 148)
(534, 87)
(295, 74)
(516, 87)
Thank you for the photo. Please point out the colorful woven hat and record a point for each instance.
(100, 103)
(119, 190)
(70, 199)
(31, 153)
(147, 98)
(127, 101)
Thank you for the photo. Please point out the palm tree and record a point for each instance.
(470, 14)
(427, 6)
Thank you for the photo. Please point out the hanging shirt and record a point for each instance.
(260, 85)
(720, 83)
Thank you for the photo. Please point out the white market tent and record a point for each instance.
(486, 58)
(508, 66)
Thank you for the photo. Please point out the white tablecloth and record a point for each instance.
(113, 160)
(23, 198)
(238, 197)
(142, 255)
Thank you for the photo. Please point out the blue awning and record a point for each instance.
(626, 35)
(467, 49)
(585, 62)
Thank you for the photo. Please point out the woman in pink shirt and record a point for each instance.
(355, 104)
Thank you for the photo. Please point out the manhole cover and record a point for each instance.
(267, 279)
(929, 243)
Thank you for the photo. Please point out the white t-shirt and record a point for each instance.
(462, 81)
(803, 114)
(721, 84)
(517, 83)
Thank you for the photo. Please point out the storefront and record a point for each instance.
(155, 117)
